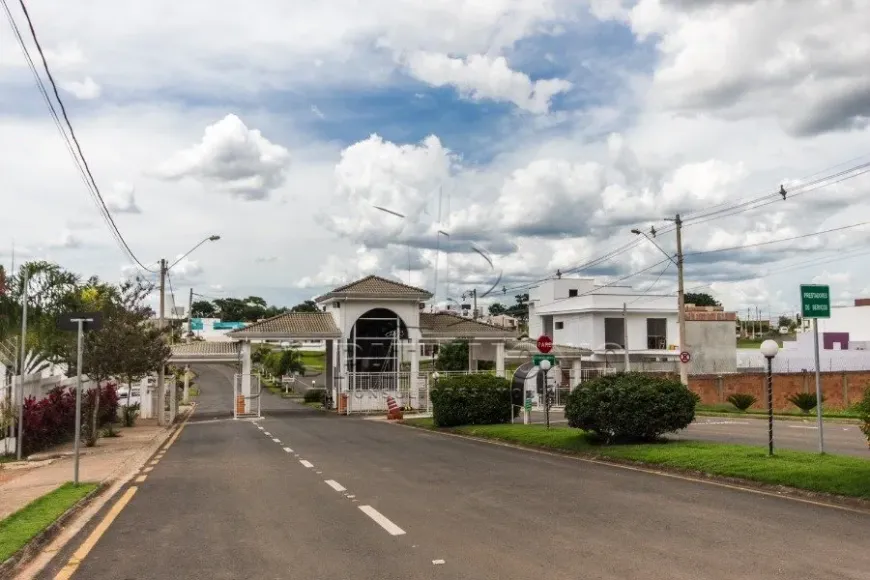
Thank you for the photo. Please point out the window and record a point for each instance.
(656, 333)
(614, 332)
(560, 325)
(336, 304)
(572, 293)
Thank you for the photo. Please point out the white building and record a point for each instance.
(580, 313)
(577, 312)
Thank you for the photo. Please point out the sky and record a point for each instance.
(534, 134)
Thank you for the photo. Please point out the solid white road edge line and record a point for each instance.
(379, 519)
(306, 463)
(288, 450)
(335, 485)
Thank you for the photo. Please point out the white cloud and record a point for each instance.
(232, 158)
(337, 270)
(122, 199)
(317, 112)
(802, 62)
(480, 77)
(84, 90)
(67, 240)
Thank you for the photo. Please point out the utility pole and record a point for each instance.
(681, 315)
(190, 316)
(161, 372)
(758, 318)
(474, 296)
(625, 336)
(19, 440)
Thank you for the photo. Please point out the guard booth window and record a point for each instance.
(614, 332)
(656, 333)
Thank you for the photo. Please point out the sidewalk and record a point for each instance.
(21, 483)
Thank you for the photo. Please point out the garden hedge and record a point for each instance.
(314, 396)
(630, 407)
(477, 399)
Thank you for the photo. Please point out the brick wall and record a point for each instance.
(839, 389)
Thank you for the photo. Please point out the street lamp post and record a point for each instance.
(545, 366)
(161, 374)
(769, 348)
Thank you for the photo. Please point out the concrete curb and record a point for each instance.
(35, 545)
(760, 417)
(840, 502)
(37, 558)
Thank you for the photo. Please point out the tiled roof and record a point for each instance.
(376, 286)
(301, 325)
(205, 348)
(444, 325)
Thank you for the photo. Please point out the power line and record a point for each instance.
(80, 160)
(777, 241)
(656, 281)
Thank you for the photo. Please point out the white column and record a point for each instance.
(246, 375)
(576, 372)
(499, 359)
(329, 363)
(472, 357)
(415, 370)
(146, 399)
(186, 398)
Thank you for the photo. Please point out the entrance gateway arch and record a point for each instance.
(375, 332)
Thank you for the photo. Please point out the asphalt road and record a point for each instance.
(365, 499)
(215, 400)
(840, 438)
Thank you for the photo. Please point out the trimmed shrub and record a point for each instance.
(315, 396)
(806, 402)
(471, 400)
(742, 400)
(630, 407)
(863, 409)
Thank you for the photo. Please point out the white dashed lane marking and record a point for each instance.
(276, 440)
(335, 485)
(381, 520)
(306, 463)
(288, 450)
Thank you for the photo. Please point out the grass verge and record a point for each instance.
(831, 474)
(22, 526)
(313, 361)
(729, 409)
(314, 405)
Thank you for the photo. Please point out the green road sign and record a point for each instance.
(537, 358)
(815, 301)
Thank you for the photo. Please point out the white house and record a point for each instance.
(580, 313)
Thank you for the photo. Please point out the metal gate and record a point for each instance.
(246, 406)
(368, 392)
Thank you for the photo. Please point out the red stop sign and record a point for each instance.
(545, 343)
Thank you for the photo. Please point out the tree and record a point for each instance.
(520, 310)
(283, 362)
(452, 356)
(787, 322)
(701, 299)
(202, 309)
(497, 308)
(307, 306)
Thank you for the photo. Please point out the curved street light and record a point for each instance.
(161, 374)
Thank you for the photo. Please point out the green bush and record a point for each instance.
(471, 400)
(315, 396)
(863, 409)
(806, 402)
(630, 407)
(742, 400)
(129, 414)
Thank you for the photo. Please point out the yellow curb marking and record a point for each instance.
(147, 470)
(80, 554)
(141, 479)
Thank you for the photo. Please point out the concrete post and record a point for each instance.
(186, 384)
(576, 372)
(415, 372)
(146, 400)
(499, 359)
(329, 363)
(246, 375)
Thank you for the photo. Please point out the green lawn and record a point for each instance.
(313, 361)
(25, 524)
(848, 476)
(728, 408)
